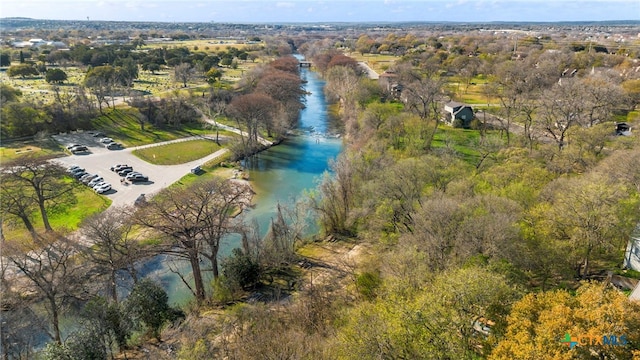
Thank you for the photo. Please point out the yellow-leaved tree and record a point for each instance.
(539, 323)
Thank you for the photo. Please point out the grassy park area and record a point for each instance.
(177, 153)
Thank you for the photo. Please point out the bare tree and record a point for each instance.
(224, 200)
(252, 112)
(561, 108)
(423, 92)
(50, 265)
(183, 73)
(114, 247)
(43, 181)
(335, 198)
(195, 219)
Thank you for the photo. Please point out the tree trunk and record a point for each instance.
(45, 217)
(113, 286)
(197, 277)
(55, 322)
(214, 265)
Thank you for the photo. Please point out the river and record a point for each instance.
(279, 174)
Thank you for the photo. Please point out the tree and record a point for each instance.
(22, 70)
(183, 73)
(108, 321)
(285, 88)
(213, 75)
(590, 213)
(21, 119)
(15, 200)
(57, 76)
(5, 59)
(342, 84)
(436, 322)
(539, 323)
(561, 108)
(101, 80)
(44, 181)
(335, 198)
(148, 303)
(9, 94)
(423, 92)
(252, 112)
(195, 219)
(113, 247)
(50, 265)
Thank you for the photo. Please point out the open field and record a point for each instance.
(177, 153)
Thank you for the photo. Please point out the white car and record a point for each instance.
(106, 140)
(102, 188)
(95, 181)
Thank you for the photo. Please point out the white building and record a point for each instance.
(632, 254)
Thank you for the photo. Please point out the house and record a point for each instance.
(459, 114)
(632, 254)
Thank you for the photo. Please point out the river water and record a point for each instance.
(280, 174)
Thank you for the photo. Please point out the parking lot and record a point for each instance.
(99, 159)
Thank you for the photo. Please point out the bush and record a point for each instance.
(367, 284)
(240, 270)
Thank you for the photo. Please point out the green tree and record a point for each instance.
(436, 322)
(213, 75)
(44, 181)
(56, 76)
(5, 59)
(148, 303)
(22, 70)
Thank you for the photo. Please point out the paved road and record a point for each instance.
(100, 159)
(372, 74)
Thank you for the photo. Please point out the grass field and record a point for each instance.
(177, 153)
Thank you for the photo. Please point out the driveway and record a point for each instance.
(99, 160)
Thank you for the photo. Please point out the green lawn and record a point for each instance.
(177, 153)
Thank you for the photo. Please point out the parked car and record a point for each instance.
(73, 167)
(70, 146)
(88, 178)
(125, 171)
(137, 177)
(102, 188)
(117, 167)
(140, 200)
(78, 149)
(132, 174)
(106, 140)
(95, 181)
(79, 174)
(76, 170)
(98, 134)
(114, 146)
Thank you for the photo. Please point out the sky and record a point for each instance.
(287, 11)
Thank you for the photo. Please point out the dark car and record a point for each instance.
(119, 167)
(125, 171)
(114, 146)
(138, 177)
(99, 134)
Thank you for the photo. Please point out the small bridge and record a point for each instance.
(305, 64)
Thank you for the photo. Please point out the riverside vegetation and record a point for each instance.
(488, 240)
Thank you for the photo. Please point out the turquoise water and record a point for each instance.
(279, 174)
